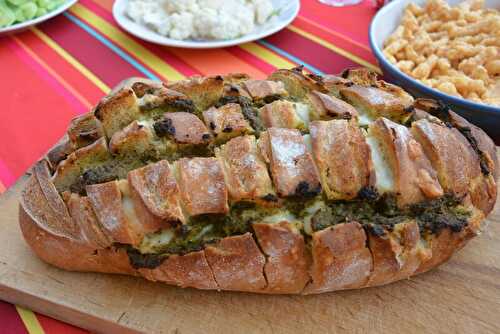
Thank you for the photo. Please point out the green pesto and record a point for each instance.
(208, 228)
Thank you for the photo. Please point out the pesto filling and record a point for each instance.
(375, 215)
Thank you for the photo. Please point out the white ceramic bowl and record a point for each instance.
(383, 24)
(289, 9)
(24, 25)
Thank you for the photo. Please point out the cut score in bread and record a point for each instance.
(297, 184)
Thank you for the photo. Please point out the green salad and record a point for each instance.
(17, 11)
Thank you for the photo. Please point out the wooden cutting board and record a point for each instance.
(462, 296)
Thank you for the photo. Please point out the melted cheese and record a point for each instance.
(128, 206)
(383, 172)
(310, 212)
(279, 217)
(302, 111)
(152, 241)
(364, 119)
(308, 142)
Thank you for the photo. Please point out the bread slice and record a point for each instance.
(226, 122)
(292, 167)
(245, 171)
(202, 186)
(343, 158)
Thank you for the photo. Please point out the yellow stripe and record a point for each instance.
(70, 59)
(333, 32)
(125, 42)
(30, 321)
(54, 74)
(335, 49)
(266, 55)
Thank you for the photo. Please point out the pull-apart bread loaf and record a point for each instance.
(295, 184)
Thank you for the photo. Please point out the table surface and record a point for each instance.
(61, 68)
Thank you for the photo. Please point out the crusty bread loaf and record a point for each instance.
(295, 184)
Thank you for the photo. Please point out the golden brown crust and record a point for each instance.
(84, 130)
(133, 138)
(327, 106)
(156, 195)
(287, 260)
(456, 162)
(237, 264)
(396, 254)
(59, 243)
(202, 186)
(41, 200)
(259, 89)
(186, 128)
(107, 202)
(226, 122)
(296, 82)
(68, 170)
(204, 91)
(186, 271)
(385, 100)
(342, 157)
(117, 110)
(484, 143)
(60, 152)
(414, 178)
(292, 167)
(244, 170)
(279, 114)
(84, 216)
(340, 258)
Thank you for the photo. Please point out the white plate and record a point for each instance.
(288, 10)
(24, 25)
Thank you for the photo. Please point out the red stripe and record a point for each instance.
(251, 59)
(160, 51)
(310, 52)
(75, 78)
(336, 40)
(95, 56)
(11, 321)
(24, 54)
(52, 326)
(37, 117)
(352, 21)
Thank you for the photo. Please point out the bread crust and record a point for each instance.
(286, 258)
(342, 157)
(155, 194)
(202, 186)
(100, 230)
(340, 259)
(291, 164)
(457, 163)
(237, 264)
(327, 106)
(186, 271)
(414, 178)
(396, 254)
(245, 171)
(186, 128)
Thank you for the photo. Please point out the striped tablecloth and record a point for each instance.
(61, 68)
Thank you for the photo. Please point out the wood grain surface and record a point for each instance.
(462, 296)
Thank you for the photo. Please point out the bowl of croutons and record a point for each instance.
(445, 50)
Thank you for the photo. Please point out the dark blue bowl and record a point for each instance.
(485, 116)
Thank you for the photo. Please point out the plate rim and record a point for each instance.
(428, 90)
(203, 44)
(40, 19)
